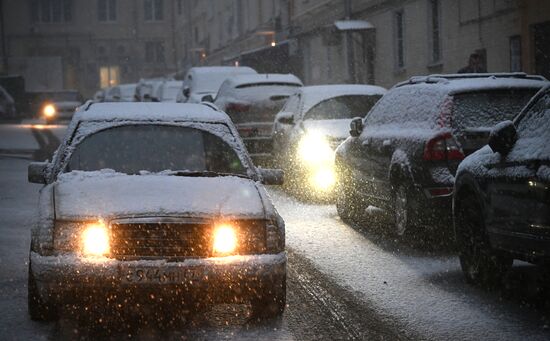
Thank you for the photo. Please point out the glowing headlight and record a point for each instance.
(49, 110)
(314, 149)
(95, 240)
(323, 179)
(225, 240)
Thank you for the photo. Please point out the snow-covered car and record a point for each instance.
(58, 105)
(314, 121)
(402, 157)
(203, 82)
(122, 93)
(147, 89)
(157, 199)
(252, 101)
(501, 201)
(168, 91)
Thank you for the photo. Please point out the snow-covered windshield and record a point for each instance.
(487, 108)
(131, 149)
(342, 107)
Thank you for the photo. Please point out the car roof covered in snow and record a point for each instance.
(221, 69)
(263, 78)
(317, 93)
(150, 111)
(458, 83)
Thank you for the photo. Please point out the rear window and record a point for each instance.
(252, 85)
(485, 109)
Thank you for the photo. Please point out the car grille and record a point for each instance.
(178, 239)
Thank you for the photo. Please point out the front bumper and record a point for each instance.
(66, 279)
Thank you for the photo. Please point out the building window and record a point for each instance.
(51, 11)
(153, 10)
(106, 10)
(154, 52)
(399, 40)
(109, 76)
(435, 30)
(515, 54)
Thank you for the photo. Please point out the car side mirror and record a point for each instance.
(503, 137)
(37, 172)
(186, 91)
(272, 176)
(286, 118)
(207, 98)
(356, 127)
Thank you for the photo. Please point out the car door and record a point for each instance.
(519, 187)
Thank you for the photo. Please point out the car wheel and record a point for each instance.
(271, 303)
(403, 215)
(348, 206)
(38, 309)
(480, 264)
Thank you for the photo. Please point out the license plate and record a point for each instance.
(143, 275)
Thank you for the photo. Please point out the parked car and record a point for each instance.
(252, 101)
(57, 105)
(203, 82)
(147, 89)
(501, 201)
(402, 157)
(178, 214)
(7, 105)
(314, 121)
(99, 95)
(122, 93)
(168, 91)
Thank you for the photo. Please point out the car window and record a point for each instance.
(133, 148)
(536, 122)
(411, 106)
(292, 104)
(342, 107)
(487, 108)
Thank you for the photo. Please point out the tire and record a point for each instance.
(403, 215)
(271, 303)
(481, 265)
(38, 309)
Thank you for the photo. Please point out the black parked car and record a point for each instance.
(501, 204)
(403, 156)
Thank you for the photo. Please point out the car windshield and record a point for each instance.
(487, 108)
(342, 107)
(68, 96)
(132, 149)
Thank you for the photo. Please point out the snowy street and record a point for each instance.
(343, 282)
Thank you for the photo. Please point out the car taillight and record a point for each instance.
(443, 147)
(237, 107)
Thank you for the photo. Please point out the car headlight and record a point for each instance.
(224, 240)
(323, 178)
(49, 110)
(314, 149)
(95, 240)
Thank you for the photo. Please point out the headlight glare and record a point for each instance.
(224, 240)
(314, 149)
(95, 240)
(49, 110)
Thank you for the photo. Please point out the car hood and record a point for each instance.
(92, 195)
(336, 129)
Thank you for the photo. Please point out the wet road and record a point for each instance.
(344, 282)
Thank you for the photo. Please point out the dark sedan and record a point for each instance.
(501, 205)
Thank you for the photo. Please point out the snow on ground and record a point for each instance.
(414, 290)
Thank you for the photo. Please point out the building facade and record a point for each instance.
(89, 44)
(371, 41)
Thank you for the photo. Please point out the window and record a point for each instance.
(342, 107)
(153, 10)
(435, 30)
(154, 52)
(51, 11)
(515, 54)
(106, 10)
(109, 76)
(399, 40)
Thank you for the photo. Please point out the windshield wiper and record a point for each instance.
(208, 174)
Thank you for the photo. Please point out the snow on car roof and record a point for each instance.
(150, 111)
(317, 93)
(263, 78)
(452, 83)
(222, 69)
